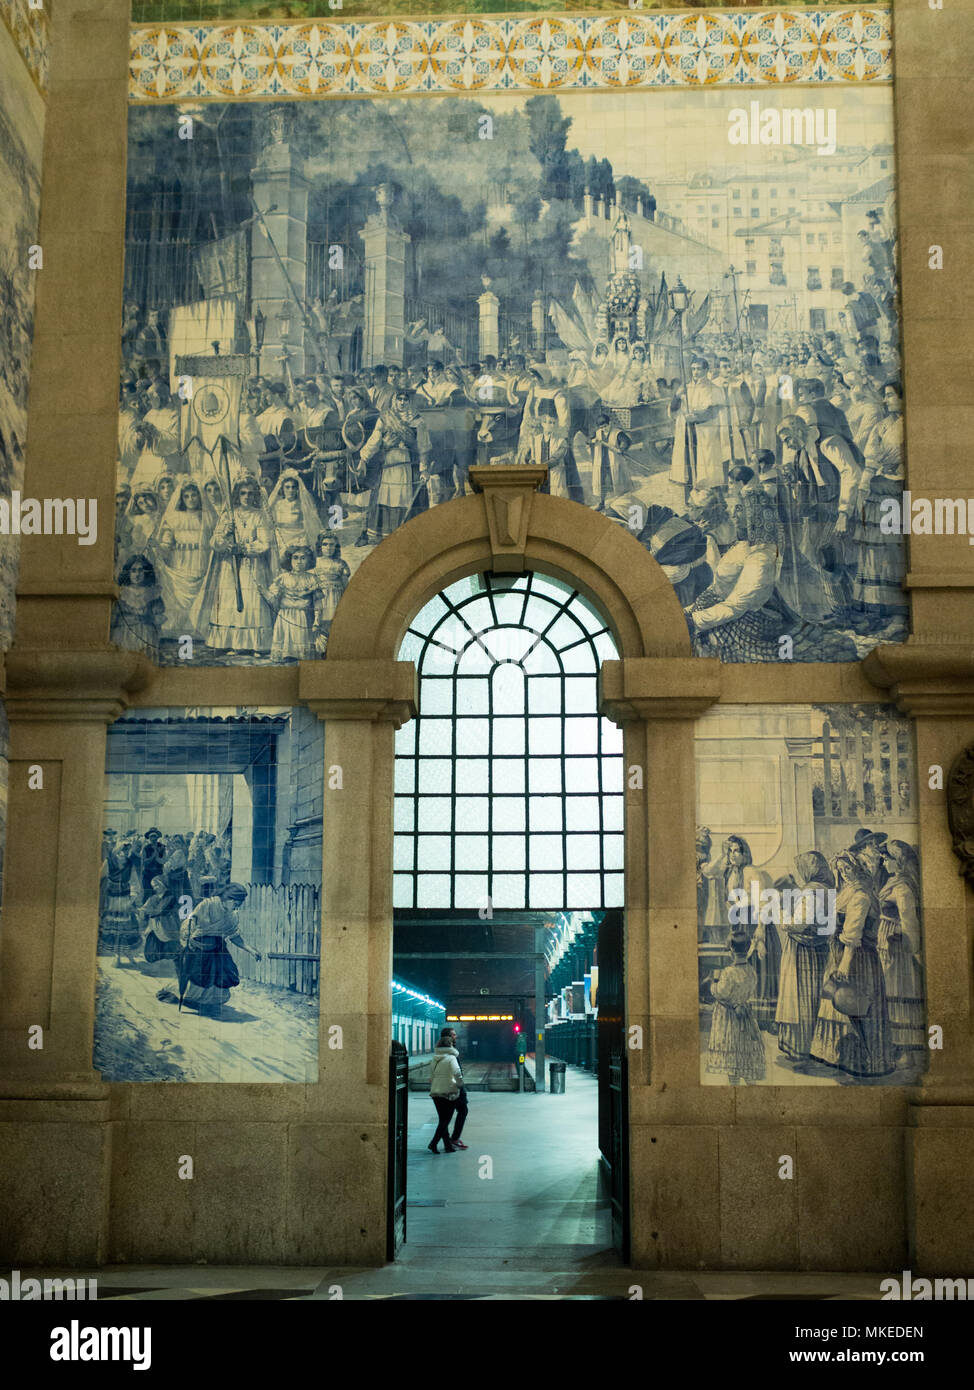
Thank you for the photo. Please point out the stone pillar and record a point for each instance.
(650, 698)
(385, 285)
(356, 946)
(587, 205)
(279, 246)
(934, 683)
(489, 321)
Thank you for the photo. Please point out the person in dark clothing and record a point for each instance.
(460, 1105)
(446, 1086)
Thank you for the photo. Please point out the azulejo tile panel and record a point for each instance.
(172, 61)
(29, 29)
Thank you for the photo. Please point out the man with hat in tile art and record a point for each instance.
(867, 848)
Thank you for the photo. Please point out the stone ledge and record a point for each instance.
(377, 691)
(81, 684)
(930, 678)
(651, 688)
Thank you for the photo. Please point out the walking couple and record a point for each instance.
(448, 1093)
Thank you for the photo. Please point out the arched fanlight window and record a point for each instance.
(508, 786)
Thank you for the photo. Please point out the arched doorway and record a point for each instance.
(364, 692)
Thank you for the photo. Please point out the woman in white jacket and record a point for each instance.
(446, 1080)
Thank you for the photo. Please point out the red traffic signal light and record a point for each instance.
(517, 1027)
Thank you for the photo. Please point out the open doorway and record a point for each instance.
(508, 864)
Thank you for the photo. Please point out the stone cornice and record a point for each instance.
(929, 678)
(89, 683)
(376, 691)
(651, 688)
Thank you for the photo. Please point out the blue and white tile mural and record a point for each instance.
(334, 308)
(808, 897)
(209, 937)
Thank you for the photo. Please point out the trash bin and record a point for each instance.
(556, 1078)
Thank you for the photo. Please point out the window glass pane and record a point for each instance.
(509, 736)
(507, 685)
(580, 695)
(470, 890)
(477, 615)
(565, 632)
(509, 607)
(437, 662)
(406, 738)
(402, 852)
(508, 776)
(471, 851)
(464, 588)
(582, 736)
(612, 777)
(433, 890)
(402, 890)
(435, 774)
(474, 661)
(436, 697)
(546, 890)
(434, 735)
(612, 851)
(612, 812)
(509, 852)
(473, 696)
(579, 660)
(472, 776)
(472, 736)
(509, 812)
(615, 890)
(547, 852)
(583, 851)
(552, 588)
(544, 775)
(411, 646)
(435, 813)
(507, 890)
(452, 633)
(611, 736)
(583, 891)
(429, 615)
(544, 736)
(509, 643)
(403, 813)
(432, 852)
(472, 813)
(587, 616)
(582, 813)
(546, 813)
(606, 648)
(405, 775)
(544, 695)
(541, 661)
(581, 774)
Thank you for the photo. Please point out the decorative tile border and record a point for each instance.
(173, 62)
(29, 31)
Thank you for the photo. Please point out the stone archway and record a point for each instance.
(509, 526)
(655, 692)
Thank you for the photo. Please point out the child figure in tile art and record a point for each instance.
(333, 576)
(139, 610)
(296, 596)
(736, 1046)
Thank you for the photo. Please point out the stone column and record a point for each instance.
(650, 698)
(356, 946)
(385, 284)
(934, 683)
(279, 246)
(489, 321)
(587, 205)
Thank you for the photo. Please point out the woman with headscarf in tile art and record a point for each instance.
(207, 970)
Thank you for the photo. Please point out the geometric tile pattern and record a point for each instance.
(173, 62)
